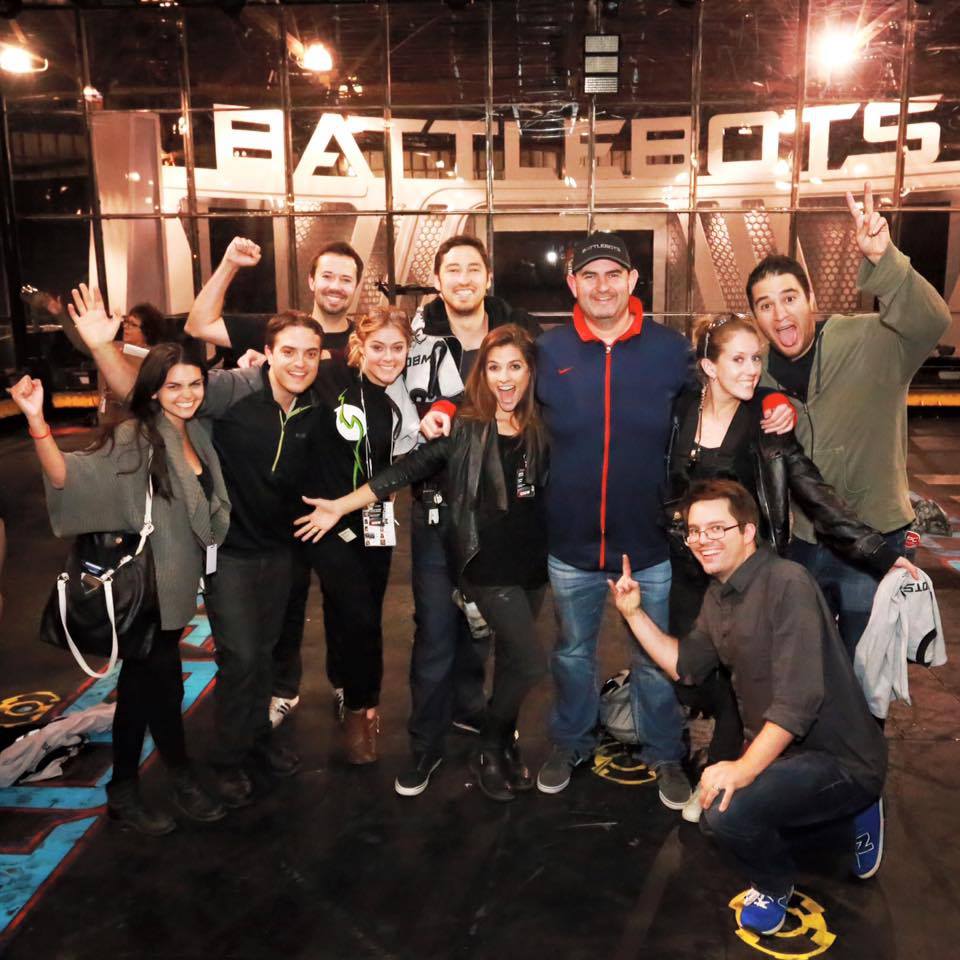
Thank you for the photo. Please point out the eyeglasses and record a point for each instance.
(715, 531)
(132, 323)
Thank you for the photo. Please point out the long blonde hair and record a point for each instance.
(367, 324)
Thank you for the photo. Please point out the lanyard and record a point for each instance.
(366, 434)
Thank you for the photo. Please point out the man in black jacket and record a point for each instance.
(447, 663)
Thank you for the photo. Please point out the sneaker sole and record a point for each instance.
(674, 804)
(552, 788)
(420, 787)
(766, 933)
(692, 816)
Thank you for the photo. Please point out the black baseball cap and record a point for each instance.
(600, 246)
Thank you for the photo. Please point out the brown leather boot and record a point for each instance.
(359, 742)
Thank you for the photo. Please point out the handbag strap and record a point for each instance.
(147, 527)
(74, 649)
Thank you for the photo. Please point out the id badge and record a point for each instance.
(524, 490)
(378, 525)
(211, 565)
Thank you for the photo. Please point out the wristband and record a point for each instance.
(42, 436)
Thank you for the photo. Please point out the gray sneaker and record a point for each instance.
(555, 774)
(674, 786)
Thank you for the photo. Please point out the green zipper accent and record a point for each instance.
(284, 420)
(350, 424)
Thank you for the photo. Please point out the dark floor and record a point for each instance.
(333, 864)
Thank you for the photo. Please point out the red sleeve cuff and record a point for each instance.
(445, 406)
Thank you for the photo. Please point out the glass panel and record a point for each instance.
(746, 154)
(137, 264)
(643, 156)
(128, 152)
(50, 163)
(544, 155)
(749, 51)
(352, 35)
(933, 157)
(538, 50)
(233, 60)
(727, 247)
(531, 256)
(854, 49)
(656, 49)
(935, 70)
(49, 36)
(438, 52)
(135, 58)
(925, 239)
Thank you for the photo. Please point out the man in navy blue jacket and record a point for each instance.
(607, 384)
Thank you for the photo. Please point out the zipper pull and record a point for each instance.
(608, 347)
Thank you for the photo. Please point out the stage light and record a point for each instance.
(14, 59)
(317, 58)
(838, 49)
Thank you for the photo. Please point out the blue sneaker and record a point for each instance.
(763, 913)
(868, 834)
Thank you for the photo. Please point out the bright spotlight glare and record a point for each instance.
(838, 49)
(16, 60)
(552, 256)
(317, 58)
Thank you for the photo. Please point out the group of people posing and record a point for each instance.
(603, 456)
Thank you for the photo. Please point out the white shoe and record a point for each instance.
(281, 708)
(692, 809)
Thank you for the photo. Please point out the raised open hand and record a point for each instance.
(873, 232)
(88, 313)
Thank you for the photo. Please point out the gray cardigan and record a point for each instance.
(97, 497)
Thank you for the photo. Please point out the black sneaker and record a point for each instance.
(490, 769)
(234, 786)
(193, 801)
(125, 805)
(412, 782)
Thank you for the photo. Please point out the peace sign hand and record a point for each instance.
(873, 232)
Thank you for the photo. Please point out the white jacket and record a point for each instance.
(904, 626)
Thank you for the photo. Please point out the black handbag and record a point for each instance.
(105, 602)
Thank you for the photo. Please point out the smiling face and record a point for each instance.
(294, 358)
(784, 314)
(722, 557)
(384, 355)
(463, 280)
(736, 371)
(334, 282)
(603, 289)
(508, 376)
(181, 393)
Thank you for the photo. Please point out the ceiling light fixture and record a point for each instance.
(15, 59)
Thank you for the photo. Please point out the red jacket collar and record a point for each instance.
(636, 322)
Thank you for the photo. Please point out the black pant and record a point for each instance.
(354, 580)
(246, 599)
(519, 661)
(149, 695)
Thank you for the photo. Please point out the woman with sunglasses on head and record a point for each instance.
(104, 488)
(717, 432)
(496, 463)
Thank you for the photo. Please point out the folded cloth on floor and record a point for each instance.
(904, 627)
(28, 754)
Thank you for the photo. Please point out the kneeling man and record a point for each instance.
(813, 752)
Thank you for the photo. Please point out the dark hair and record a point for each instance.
(155, 327)
(461, 240)
(342, 249)
(479, 401)
(773, 266)
(291, 318)
(743, 508)
(711, 332)
(369, 323)
(146, 411)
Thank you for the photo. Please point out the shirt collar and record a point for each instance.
(636, 322)
(742, 577)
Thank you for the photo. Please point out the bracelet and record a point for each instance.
(42, 436)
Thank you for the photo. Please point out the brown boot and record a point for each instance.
(359, 736)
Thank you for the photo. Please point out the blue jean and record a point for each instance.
(446, 665)
(848, 590)
(800, 790)
(580, 597)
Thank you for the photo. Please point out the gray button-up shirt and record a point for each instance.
(770, 626)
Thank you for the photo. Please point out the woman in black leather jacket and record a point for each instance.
(496, 462)
(717, 433)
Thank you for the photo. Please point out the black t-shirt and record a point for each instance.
(351, 437)
(794, 375)
(513, 545)
(249, 332)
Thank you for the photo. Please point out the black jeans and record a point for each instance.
(149, 695)
(519, 661)
(354, 580)
(287, 657)
(246, 599)
(447, 664)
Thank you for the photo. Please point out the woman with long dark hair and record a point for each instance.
(103, 489)
(496, 466)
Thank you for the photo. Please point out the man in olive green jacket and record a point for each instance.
(848, 377)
